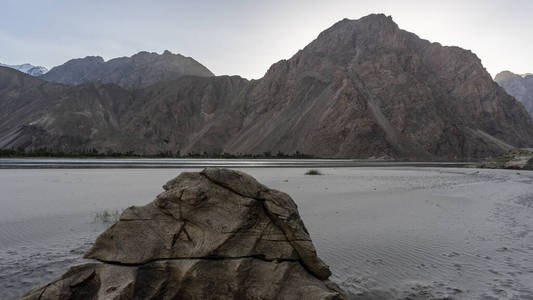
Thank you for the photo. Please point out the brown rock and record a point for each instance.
(281, 210)
(218, 234)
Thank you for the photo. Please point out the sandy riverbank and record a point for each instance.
(386, 232)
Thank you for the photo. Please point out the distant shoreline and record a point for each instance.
(44, 154)
(194, 163)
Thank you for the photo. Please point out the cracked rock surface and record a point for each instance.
(214, 234)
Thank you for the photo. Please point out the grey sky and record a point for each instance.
(246, 37)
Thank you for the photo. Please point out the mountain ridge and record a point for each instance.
(137, 71)
(363, 88)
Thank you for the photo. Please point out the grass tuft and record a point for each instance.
(106, 216)
(313, 172)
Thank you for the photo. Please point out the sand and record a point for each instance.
(386, 232)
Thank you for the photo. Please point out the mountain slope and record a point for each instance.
(137, 71)
(364, 88)
(28, 69)
(38, 114)
(518, 86)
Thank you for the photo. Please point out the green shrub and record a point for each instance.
(313, 172)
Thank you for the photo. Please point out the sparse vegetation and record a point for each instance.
(313, 172)
(19, 152)
(93, 153)
(106, 216)
(514, 159)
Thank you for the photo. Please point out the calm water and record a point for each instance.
(56, 163)
(387, 232)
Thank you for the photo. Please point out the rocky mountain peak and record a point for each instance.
(85, 62)
(347, 33)
(168, 53)
(165, 57)
(376, 22)
(506, 75)
(372, 70)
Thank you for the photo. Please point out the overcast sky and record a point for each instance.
(246, 37)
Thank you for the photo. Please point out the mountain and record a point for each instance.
(363, 88)
(518, 86)
(367, 88)
(137, 71)
(28, 69)
(36, 113)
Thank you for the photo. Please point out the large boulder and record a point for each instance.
(214, 234)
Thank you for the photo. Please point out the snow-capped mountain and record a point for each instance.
(28, 69)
